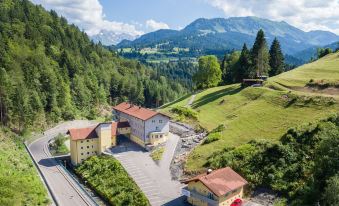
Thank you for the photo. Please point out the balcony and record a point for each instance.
(191, 193)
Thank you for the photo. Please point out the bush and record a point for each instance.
(184, 111)
(58, 147)
(157, 154)
(109, 179)
(212, 137)
(297, 167)
(219, 128)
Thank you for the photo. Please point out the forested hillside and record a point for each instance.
(50, 70)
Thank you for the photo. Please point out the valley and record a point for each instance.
(239, 111)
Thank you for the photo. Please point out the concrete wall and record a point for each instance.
(104, 132)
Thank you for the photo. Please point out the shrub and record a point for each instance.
(184, 111)
(297, 167)
(219, 128)
(58, 146)
(109, 179)
(157, 153)
(212, 137)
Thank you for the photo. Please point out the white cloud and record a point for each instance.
(88, 15)
(154, 25)
(305, 14)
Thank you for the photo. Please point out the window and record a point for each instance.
(87, 147)
(87, 152)
(82, 147)
(82, 153)
(153, 121)
(157, 128)
(92, 146)
(82, 141)
(160, 121)
(87, 140)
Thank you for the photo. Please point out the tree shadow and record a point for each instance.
(215, 95)
(48, 162)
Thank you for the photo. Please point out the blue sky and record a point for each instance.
(136, 17)
(175, 13)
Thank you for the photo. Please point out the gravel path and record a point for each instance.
(190, 102)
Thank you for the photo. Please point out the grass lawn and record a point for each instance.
(19, 180)
(324, 68)
(259, 113)
(247, 114)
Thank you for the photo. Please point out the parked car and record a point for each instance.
(237, 202)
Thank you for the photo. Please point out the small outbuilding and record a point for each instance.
(220, 187)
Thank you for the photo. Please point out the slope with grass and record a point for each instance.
(19, 180)
(256, 113)
(326, 68)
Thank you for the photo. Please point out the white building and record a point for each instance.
(148, 127)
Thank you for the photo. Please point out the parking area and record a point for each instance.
(154, 179)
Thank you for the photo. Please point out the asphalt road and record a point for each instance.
(65, 190)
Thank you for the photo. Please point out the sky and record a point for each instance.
(136, 17)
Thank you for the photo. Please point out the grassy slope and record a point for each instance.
(19, 181)
(325, 68)
(255, 113)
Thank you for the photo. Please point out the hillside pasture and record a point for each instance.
(250, 114)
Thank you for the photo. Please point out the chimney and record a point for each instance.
(209, 171)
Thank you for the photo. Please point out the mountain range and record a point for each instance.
(221, 34)
(110, 38)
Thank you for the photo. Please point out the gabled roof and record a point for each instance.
(135, 111)
(89, 132)
(220, 181)
(83, 133)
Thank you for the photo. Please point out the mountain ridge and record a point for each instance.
(231, 33)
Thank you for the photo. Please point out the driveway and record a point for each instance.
(154, 179)
(64, 189)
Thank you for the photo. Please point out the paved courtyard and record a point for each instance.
(154, 179)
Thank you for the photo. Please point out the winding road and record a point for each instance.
(64, 189)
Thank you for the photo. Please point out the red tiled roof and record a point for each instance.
(135, 111)
(220, 181)
(89, 132)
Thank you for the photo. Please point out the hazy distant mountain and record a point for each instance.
(226, 34)
(312, 52)
(111, 38)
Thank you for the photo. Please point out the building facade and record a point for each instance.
(86, 142)
(148, 127)
(216, 188)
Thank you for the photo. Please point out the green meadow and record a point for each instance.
(258, 113)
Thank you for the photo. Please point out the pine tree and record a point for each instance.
(244, 64)
(260, 56)
(276, 59)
